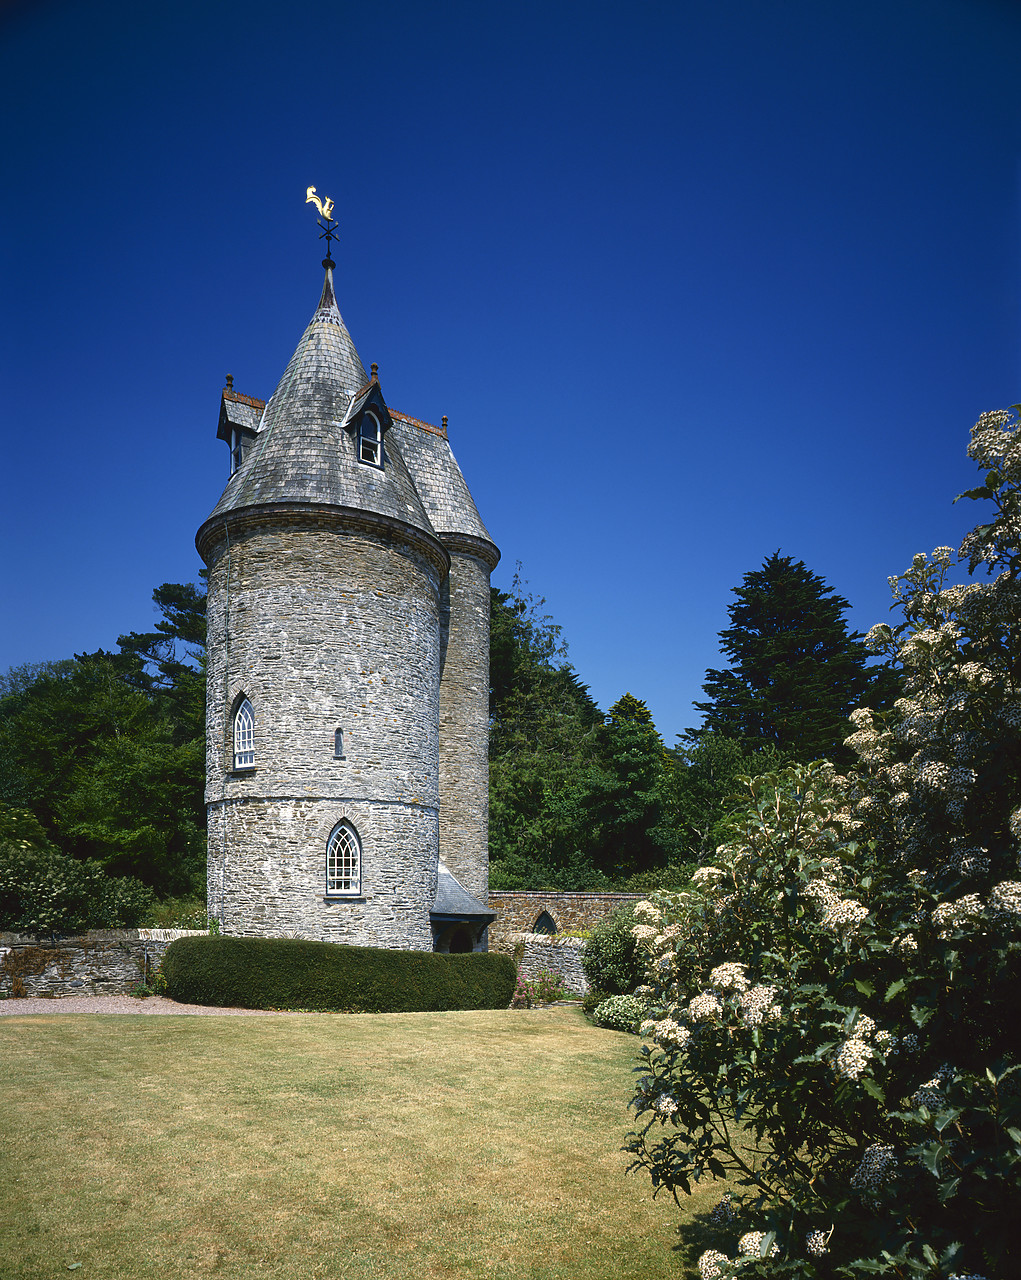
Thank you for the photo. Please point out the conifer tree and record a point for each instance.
(796, 672)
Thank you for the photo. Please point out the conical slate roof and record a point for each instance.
(302, 453)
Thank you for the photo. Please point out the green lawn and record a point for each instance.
(397, 1145)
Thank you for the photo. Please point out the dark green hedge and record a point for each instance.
(283, 973)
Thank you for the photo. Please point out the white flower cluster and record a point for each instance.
(930, 1095)
(842, 915)
(729, 977)
(750, 1245)
(711, 1264)
(724, 1213)
(817, 1243)
(705, 876)
(855, 1054)
(906, 943)
(969, 1275)
(705, 1007)
(667, 1033)
(967, 861)
(877, 1167)
(664, 1105)
(649, 912)
(852, 1058)
(966, 911)
(758, 1005)
(1005, 898)
(643, 932)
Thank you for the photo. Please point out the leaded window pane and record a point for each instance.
(343, 861)
(244, 736)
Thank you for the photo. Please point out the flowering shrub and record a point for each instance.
(45, 892)
(543, 988)
(612, 961)
(833, 1010)
(620, 1013)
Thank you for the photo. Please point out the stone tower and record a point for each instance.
(348, 665)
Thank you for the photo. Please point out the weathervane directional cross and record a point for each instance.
(325, 219)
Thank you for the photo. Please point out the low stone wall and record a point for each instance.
(103, 962)
(519, 912)
(559, 955)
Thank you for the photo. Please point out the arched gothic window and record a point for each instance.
(370, 440)
(244, 735)
(344, 861)
(544, 923)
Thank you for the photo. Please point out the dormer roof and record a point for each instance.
(238, 413)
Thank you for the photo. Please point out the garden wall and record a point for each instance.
(103, 962)
(559, 955)
(519, 912)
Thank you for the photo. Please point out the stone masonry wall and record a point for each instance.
(558, 955)
(464, 723)
(104, 962)
(323, 627)
(517, 912)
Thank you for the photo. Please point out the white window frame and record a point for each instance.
(343, 862)
(370, 440)
(244, 736)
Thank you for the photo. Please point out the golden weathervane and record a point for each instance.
(325, 207)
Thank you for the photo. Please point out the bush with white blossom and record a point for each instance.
(832, 1023)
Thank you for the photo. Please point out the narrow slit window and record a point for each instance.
(370, 440)
(344, 861)
(338, 744)
(244, 736)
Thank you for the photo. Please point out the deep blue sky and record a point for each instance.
(693, 282)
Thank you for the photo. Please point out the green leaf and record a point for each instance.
(866, 988)
(874, 1090)
(894, 989)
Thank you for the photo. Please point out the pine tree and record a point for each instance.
(796, 672)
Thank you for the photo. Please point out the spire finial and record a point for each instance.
(325, 220)
(375, 371)
(444, 424)
(230, 382)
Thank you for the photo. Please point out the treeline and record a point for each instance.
(583, 800)
(106, 751)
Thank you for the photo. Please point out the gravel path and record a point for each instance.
(128, 1004)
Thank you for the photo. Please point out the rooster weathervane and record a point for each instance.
(325, 219)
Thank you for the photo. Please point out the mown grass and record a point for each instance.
(395, 1146)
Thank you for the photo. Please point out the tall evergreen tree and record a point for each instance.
(627, 803)
(796, 672)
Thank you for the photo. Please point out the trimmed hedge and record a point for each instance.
(284, 973)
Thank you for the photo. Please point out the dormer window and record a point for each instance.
(370, 440)
(237, 450)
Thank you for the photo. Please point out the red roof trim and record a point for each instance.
(238, 398)
(417, 422)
